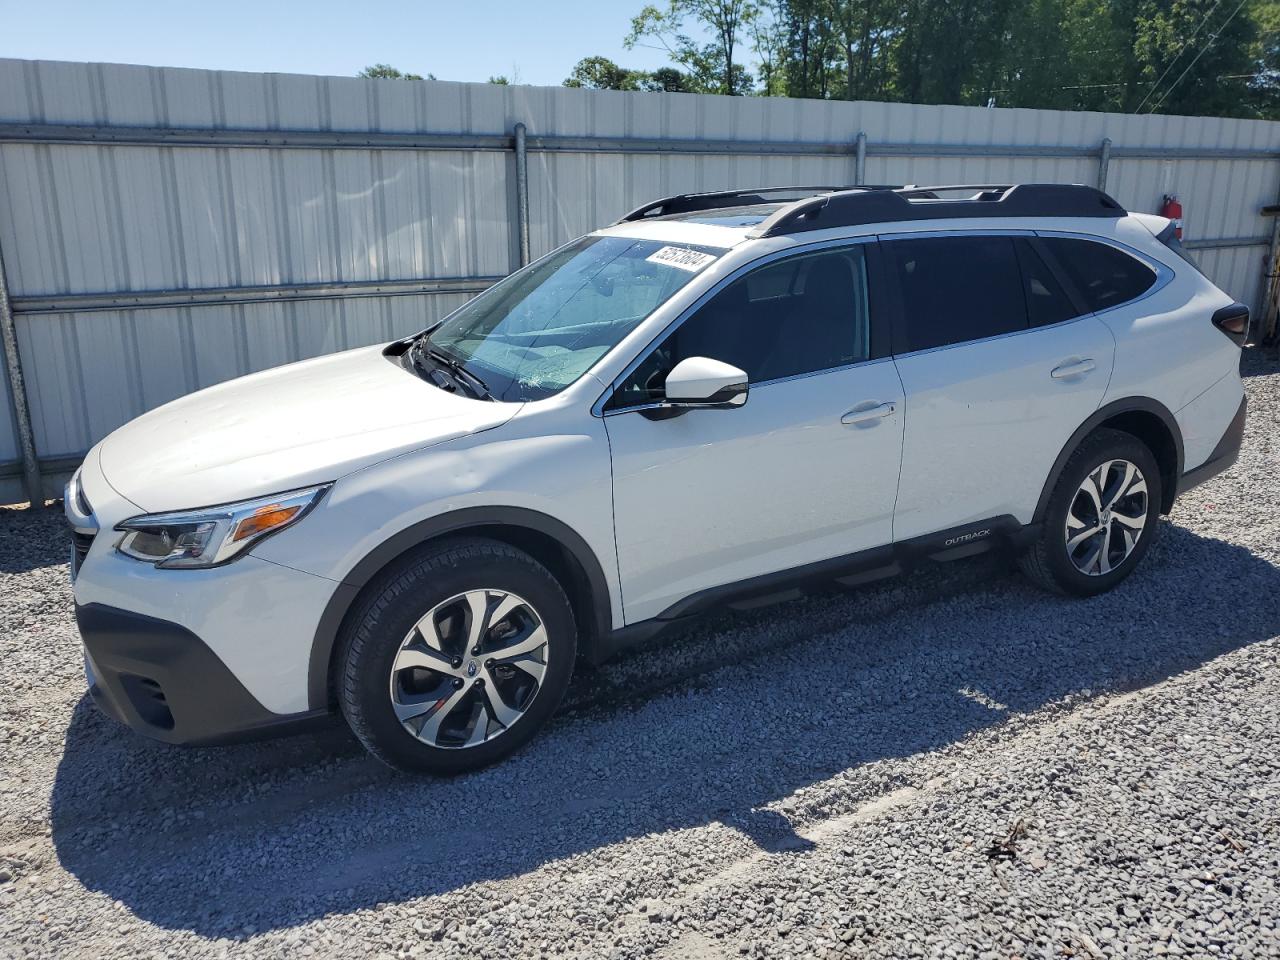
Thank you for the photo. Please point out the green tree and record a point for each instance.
(1096, 69)
(811, 46)
(601, 73)
(863, 27)
(1212, 57)
(665, 80)
(384, 71)
(948, 51)
(1187, 50)
(711, 66)
(769, 42)
(1264, 84)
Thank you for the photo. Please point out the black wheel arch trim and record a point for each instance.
(456, 522)
(1097, 419)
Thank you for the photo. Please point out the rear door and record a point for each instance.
(999, 365)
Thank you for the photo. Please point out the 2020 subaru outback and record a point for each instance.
(719, 396)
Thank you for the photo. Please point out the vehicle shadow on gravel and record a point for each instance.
(235, 841)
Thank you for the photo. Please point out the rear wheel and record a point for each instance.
(457, 657)
(1102, 516)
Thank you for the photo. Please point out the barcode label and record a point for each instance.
(681, 258)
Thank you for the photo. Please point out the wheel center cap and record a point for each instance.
(472, 668)
(1106, 516)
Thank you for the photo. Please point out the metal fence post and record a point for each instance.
(18, 390)
(1270, 326)
(860, 160)
(1104, 161)
(522, 194)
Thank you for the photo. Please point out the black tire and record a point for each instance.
(397, 600)
(1047, 561)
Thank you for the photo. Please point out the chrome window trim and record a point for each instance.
(953, 232)
(1164, 273)
(978, 232)
(597, 408)
(991, 339)
(816, 373)
(656, 404)
(1164, 276)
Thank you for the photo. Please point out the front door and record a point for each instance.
(806, 470)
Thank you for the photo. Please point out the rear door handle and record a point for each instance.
(1072, 368)
(865, 414)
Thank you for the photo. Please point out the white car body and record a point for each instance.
(957, 440)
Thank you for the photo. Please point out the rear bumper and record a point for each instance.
(1223, 456)
(165, 682)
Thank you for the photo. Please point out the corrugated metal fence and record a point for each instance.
(163, 229)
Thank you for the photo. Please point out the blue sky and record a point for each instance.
(538, 40)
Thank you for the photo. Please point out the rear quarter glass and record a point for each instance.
(1169, 237)
(1104, 275)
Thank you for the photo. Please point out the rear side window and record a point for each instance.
(1047, 302)
(1106, 277)
(956, 289)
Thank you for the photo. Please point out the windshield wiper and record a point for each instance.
(455, 366)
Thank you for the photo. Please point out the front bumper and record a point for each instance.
(190, 656)
(164, 681)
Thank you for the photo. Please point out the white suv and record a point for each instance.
(721, 396)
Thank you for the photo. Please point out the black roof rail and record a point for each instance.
(858, 207)
(714, 200)
(914, 191)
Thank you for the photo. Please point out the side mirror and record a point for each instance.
(703, 382)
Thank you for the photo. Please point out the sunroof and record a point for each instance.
(744, 216)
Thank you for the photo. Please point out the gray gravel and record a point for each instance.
(950, 764)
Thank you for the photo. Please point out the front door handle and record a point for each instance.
(1072, 368)
(866, 414)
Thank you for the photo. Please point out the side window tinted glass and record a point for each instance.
(800, 315)
(1046, 301)
(1105, 276)
(956, 289)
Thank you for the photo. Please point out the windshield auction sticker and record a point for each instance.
(681, 258)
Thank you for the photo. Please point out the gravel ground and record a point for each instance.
(949, 764)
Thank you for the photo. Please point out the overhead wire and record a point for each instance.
(1190, 40)
(1208, 43)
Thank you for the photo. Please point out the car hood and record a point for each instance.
(288, 427)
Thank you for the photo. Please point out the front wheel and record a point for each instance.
(1102, 516)
(456, 657)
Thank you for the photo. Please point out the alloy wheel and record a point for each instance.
(469, 668)
(1107, 517)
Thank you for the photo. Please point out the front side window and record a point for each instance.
(790, 317)
(1106, 277)
(956, 289)
(540, 329)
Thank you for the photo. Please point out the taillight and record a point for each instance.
(1233, 320)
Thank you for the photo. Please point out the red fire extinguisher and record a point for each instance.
(1172, 209)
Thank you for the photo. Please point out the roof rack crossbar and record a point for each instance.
(859, 207)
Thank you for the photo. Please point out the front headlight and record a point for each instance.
(213, 535)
